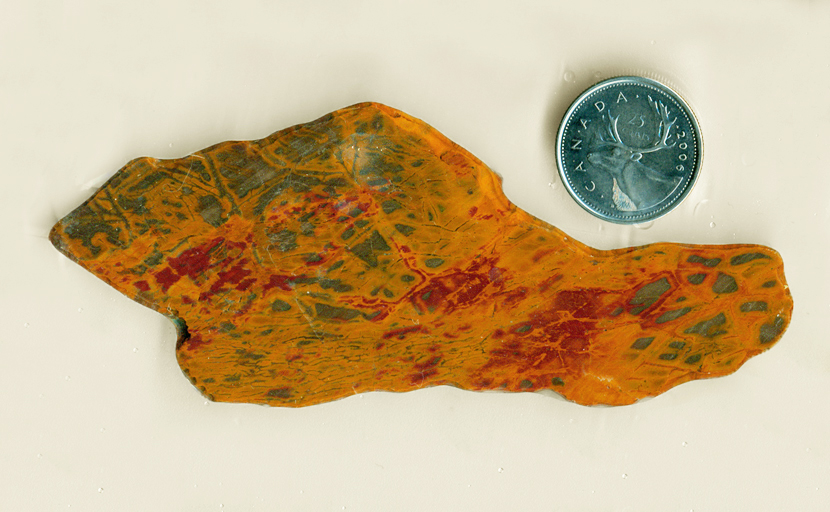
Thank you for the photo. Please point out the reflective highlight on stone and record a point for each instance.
(366, 251)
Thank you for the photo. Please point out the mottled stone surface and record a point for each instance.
(366, 251)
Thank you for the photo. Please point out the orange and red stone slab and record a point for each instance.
(366, 251)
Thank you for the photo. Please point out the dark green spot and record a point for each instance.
(642, 343)
(407, 278)
(617, 311)
(148, 181)
(280, 305)
(211, 210)
(677, 344)
(279, 393)
(708, 328)
(245, 354)
(154, 259)
(226, 327)
(668, 357)
(648, 294)
(307, 229)
(692, 359)
(303, 280)
(525, 384)
(337, 264)
(369, 316)
(696, 278)
(361, 223)
(770, 331)
(267, 196)
(768, 284)
(138, 205)
(284, 240)
(368, 249)
(388, 293)
(746, 258)
(355, 212)
(668, 316)
(377, 122)
(694, 258)
(434, 262)
(337, 182)
(347, 234)
(334, 312)
(335, 284)
(523, 329)
(404, 229)
(758, 305)
(557, 381)
(313, 258)
(725, 284)
(390, 206)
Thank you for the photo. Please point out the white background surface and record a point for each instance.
(96, 414)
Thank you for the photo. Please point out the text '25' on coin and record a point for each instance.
(629, 150)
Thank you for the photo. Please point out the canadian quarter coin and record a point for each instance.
(629, 150)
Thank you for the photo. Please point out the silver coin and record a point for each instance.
(629, 150)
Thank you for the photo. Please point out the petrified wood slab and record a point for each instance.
(366, 251)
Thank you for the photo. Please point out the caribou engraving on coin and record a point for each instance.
(629, 150)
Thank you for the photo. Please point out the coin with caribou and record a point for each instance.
(629, 150)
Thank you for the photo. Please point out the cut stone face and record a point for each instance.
(366, 251)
